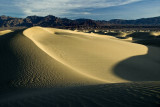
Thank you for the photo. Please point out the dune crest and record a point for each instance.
(90, 55)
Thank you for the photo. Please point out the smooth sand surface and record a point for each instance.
(54, 67)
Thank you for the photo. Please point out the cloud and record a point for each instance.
(62, 7)
(7, 7)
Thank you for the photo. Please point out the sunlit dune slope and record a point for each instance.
(90, 55)
(5, 32)
(155, 33)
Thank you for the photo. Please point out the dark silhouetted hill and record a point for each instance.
(52, 21)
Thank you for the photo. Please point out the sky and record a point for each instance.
(74, 9)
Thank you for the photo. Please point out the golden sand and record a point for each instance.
(5, 32)
(89, 55)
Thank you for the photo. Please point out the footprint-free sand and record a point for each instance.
(56, 67)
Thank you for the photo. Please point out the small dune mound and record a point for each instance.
(141, 35)
(155, 33)
(149, 42)
(5, 32)
(121, 35)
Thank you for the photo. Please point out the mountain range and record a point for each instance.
(52, 21)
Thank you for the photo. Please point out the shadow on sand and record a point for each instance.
(8, 61)
(140, 68)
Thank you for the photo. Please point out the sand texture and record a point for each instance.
(142, 94)
(54, 67)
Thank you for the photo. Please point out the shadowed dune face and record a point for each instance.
(149, 42)
(8, 61)
(113, 95)
(141, 35)
(140, 68)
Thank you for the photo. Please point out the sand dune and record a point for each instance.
(89, 55)
(5, 32)
(23, 64)
(54, 67)
(155, 33)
